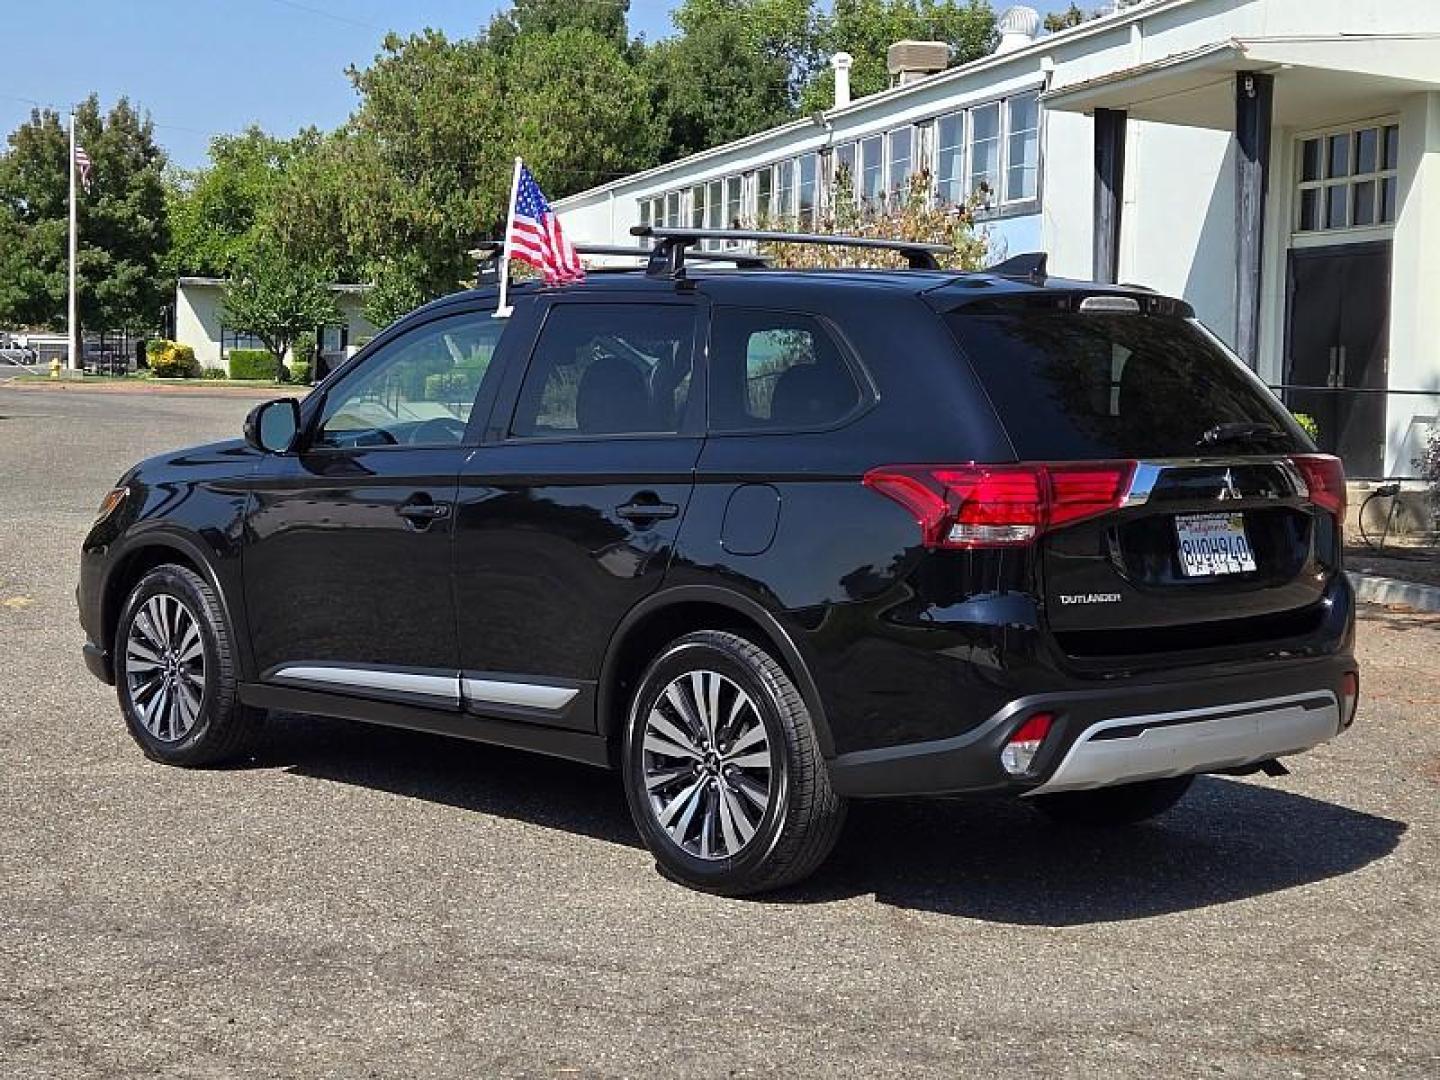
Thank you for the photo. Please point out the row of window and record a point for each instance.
(597, 369)
(1349, 179)
(991, 149)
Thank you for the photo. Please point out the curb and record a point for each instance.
(1374, 589)
(189, 387)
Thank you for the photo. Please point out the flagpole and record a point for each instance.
(504, 310)
(73, 323)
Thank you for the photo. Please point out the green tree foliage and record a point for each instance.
(867, 28)
(277, 300)
(123, 230)
(1064, 20)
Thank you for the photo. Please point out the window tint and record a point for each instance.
(772, 369)
(608, 369)
(418, 390)
(1071, 386)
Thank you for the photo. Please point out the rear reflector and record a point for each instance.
(1325, 477)
(1021, 748)
(973, 506)
(1349, 698)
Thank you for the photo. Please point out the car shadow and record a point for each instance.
(991, 859)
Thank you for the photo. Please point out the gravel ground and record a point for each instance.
(363, 902)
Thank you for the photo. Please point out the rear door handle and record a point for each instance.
(647, 511)
(423, 513)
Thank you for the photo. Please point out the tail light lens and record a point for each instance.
(1021, 748)
(1325, 477)
(975, 506)
(1349, 698)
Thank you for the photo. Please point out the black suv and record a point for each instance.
(764, 541)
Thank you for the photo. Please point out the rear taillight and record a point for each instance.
(970, 506)
(1324, 475)
(1020, 749)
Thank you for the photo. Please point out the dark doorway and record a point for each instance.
(1338, 338)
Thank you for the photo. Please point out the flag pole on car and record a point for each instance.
(504, 309)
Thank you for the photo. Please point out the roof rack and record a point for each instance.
(668, 256)
(745, 260)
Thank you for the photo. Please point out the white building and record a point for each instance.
(200, 323)
(1275, 162)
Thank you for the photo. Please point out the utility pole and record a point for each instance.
(73, 325)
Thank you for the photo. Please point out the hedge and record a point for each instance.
(252, 364)
(171, 360)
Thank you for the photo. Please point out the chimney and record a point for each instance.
(1018, 27)
(842, 62)
(911, 61)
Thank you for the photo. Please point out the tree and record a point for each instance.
(1064, 20)
(276, 300)
(867, 28)
(123, 227)
(733, 70)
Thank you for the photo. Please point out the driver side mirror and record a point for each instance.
(272, 426)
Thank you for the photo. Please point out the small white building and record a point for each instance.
(1275, 162)
(200, 323)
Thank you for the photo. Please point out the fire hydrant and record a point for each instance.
(55, 368)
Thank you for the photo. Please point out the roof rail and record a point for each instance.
(1031, 265)
(669, 253)
(745, 260)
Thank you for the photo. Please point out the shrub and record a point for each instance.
(450, 386)
(300, 373)
(172, 360)
(303, 350)
(214, 373)
(252, 364)
(154, 347)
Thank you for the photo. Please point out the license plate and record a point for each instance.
(1213, 544)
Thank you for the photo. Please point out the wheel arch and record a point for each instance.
(155, 548)
(667, 615)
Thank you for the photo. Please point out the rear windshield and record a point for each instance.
(1071, 385)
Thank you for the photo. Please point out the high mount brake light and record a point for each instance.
(1324, 475)
(982, 506)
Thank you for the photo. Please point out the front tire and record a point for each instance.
(1123, 804)
(722, 769)
(175, 672)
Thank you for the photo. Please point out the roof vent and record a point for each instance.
(1018, 27)
(911, 61)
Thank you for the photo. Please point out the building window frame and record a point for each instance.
(1319, 190)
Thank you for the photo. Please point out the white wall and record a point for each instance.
(197, 321)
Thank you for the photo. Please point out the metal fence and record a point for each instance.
(1380, 434)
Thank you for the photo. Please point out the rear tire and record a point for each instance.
(175, 672)
(723, 771)
(1124, 804)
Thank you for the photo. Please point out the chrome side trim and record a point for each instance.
(336, 676)
(1195, 741)
(526, 695)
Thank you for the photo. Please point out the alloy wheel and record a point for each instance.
(164, 666)
(709, 774)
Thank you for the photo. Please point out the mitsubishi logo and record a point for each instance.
(1228, 490)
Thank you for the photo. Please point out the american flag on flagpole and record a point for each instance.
(535, 235)
(82, 163)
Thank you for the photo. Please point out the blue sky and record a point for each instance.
(203, 67)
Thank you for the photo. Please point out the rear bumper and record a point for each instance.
(1121, 734)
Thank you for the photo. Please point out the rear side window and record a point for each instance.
(608, 369)
(777, 370)
(1079, 385)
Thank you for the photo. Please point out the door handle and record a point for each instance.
(638, 510)
(422, 514)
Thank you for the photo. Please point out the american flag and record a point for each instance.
(82, 162)
(535, 236)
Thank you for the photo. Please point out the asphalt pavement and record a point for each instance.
(358, 902)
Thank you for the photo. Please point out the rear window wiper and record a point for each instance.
(1239, 432)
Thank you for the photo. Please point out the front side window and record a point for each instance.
(608, 369)
(417, 390)
(776, 370)
(1022, 170)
